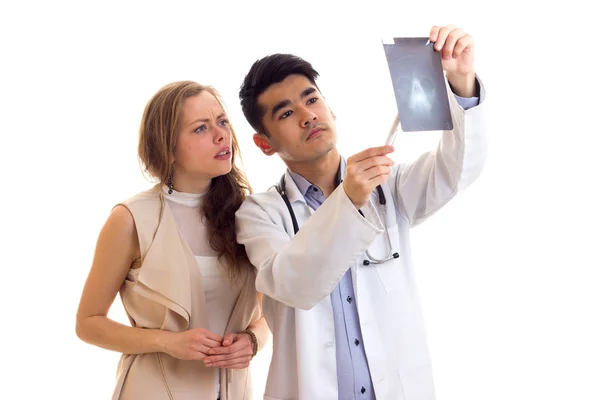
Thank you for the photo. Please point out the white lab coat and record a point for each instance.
(297, 275)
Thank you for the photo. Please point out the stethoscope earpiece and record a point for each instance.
(376, 261)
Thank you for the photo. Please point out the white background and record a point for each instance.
(508, 272)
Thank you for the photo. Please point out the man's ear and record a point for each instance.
(263, 143)
(332, 113)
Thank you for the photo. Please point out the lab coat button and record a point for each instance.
(363, 390)
(328, 344)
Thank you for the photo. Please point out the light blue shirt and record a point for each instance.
(353, 375)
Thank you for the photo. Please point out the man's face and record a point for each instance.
(299, 124)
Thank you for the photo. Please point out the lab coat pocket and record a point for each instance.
(390, 272)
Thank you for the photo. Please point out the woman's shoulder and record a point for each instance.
(142, 206)
(146, 196)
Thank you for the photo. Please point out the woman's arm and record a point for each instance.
(117, 249)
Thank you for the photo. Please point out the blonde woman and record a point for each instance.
(186, 284)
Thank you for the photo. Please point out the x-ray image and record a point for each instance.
(419, 85)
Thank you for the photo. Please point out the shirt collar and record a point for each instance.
(304, 185)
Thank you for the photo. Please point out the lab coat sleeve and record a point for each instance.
(302, 270)
(421, 188)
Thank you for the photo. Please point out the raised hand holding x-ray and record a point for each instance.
(417, 73)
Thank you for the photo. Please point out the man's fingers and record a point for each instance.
(463, 43)
(451, 40)
(368, 153)
(379, 180)
(373, 161)
(375, 171)
(361, 167)
(433, 34)
(442, 36)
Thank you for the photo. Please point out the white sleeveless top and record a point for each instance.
(221, 294)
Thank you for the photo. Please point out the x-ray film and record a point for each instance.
(419, 85)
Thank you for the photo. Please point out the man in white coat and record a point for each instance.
(330, 242)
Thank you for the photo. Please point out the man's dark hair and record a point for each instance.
(264, 73)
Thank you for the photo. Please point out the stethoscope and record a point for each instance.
(338, 179)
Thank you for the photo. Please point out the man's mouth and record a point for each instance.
(314, 133)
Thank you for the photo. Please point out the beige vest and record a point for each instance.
(166, 293)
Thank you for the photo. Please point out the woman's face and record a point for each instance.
(203, 149)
